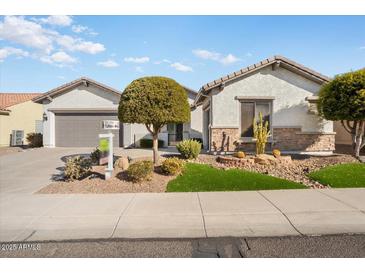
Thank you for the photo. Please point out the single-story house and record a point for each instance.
(19, 115)
(75, 113)
(284, 91)
(222, 112)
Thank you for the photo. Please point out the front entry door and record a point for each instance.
(179, 132)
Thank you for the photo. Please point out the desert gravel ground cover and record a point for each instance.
(117, 184)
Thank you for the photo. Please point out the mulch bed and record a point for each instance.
(296, 171)
(96, 184)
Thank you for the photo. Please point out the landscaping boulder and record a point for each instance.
(265, 159)
(123, 163)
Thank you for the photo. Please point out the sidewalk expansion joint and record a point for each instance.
(340, 201)
(30, 235)
(121, 214)
(201, 210)
(40, 216)
(286, 217)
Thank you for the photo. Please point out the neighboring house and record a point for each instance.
(284, 91)
(18, 113)
(74, 115)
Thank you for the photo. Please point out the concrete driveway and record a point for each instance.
(29, 170)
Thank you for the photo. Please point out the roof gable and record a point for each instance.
(277, 60)
(68, 86)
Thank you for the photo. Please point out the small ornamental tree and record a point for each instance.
(154, 102)
(343, 99)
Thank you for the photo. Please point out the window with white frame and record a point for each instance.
(250, 109)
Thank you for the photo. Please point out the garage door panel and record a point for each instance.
(82, 129)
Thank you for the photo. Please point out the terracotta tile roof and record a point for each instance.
(11, 99)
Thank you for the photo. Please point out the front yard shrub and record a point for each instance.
(147, 143)
(200, 140)
(172, 166)
(95, 156)
(189, 149)
(77, 168)
(139, 171)
(35, 139)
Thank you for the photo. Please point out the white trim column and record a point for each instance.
(52, 131)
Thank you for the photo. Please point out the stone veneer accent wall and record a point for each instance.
(296, 140)
(286, 139)
(223, 139)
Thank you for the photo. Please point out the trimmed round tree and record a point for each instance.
(154, 102)
(343, 99)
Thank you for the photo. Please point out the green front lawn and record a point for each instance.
(343, 175)
(198, 177)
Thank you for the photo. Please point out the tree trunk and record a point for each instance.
(359, 137)
(357, 131)
(154, 130)
(155, 148)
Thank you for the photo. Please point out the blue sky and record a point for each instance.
(38, 53)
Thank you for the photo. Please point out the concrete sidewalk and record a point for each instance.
(26, 217)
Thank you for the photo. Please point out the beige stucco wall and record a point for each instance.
(342, 136)
(290, 109)
(22, 116)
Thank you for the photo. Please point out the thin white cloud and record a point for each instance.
(59, 59)
(78, 28)
(180, 67)
(162, 61)
(137, 60)
(72, 44)
(139, 69)
(216, 56)
(83, 29)
(206, 54)
(229, 59)
(57, 20)
(362, 48)
(108, 64)
(248, 54)
(7, 51)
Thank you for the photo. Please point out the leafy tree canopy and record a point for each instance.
(154, 101)
(343, 98)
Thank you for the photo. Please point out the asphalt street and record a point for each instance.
(330, 246)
